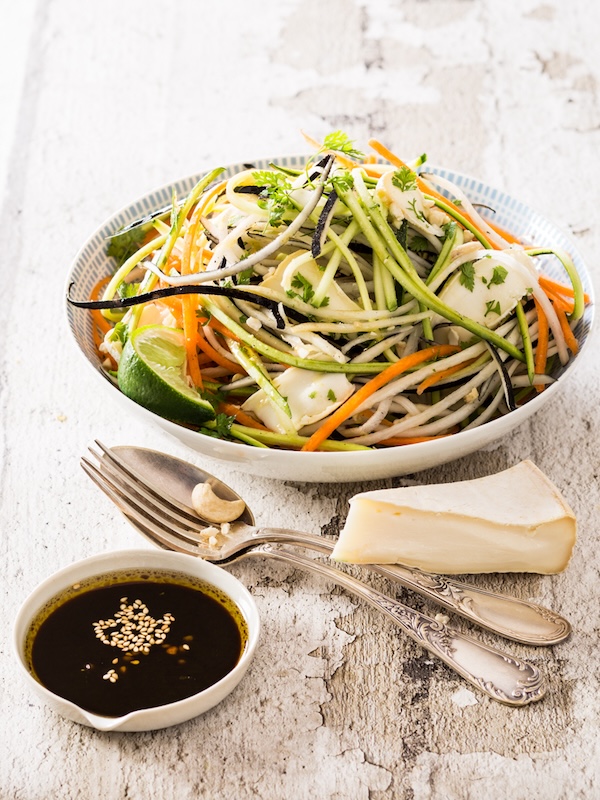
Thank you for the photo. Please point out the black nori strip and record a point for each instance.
(173, 291)
(323, 224)
(317, 172)
(359, 247)
(137, 223)
(509, 394)
(249, 189)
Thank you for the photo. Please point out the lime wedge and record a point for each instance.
(152, 373)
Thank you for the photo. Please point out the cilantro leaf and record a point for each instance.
(123, 245)
(243, 277)
(127, 289)
(498, 276)
(306, 287)
(223, 423)
(404, 179)
(220, 427)
(121, 331)
(467, 275)
(421, 245)
(275, 194)
(340, 142)
(492, 307)
(300, 282)
(343, 182)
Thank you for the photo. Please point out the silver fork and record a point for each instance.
(501, 676)
(165, 483)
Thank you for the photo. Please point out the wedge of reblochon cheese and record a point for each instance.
(514, 521)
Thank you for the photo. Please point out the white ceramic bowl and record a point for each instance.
(160, 716)
(91, 264)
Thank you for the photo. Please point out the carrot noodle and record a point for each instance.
(560, 302)
(241, 416)
(541, 351)
(351, 293)
(399, 441)
(231, 366)
(566, 329)
(436, 377)
(190, 306)
(559, 289)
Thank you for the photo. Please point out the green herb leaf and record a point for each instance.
(121, 331)
(418, 214)
(404, 179)
(274, 196)
(127, 289)
(340, 142)
(331, 396)
(419, 244)
(244, 276)
(223, 423)
(492, 307)
(123, 245)
(342, 182)
(498, 276)
(467, 275)
(300, 282)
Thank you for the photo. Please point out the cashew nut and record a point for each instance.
(213, 508)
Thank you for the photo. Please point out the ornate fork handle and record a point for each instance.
(501, 676)
(515, 619)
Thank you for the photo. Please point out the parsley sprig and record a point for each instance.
(306, 290)
(275, 194)
(340, 142)
(404, 179)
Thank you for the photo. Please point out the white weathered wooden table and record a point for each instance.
(103, 101)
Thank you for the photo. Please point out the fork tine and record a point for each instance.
(174, 536)
(111, 462)
(138, 491)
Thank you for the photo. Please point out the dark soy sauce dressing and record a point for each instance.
(202, 643)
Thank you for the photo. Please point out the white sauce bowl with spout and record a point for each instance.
(159, 716)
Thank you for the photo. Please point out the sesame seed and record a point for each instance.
(133, 629)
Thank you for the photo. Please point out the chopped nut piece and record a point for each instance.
(213, 508)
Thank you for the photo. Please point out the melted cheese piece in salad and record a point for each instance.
(311, 396)
(515, 521)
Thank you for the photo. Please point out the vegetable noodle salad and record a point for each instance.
(356, 302)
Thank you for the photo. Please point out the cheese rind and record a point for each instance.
(514, 521)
